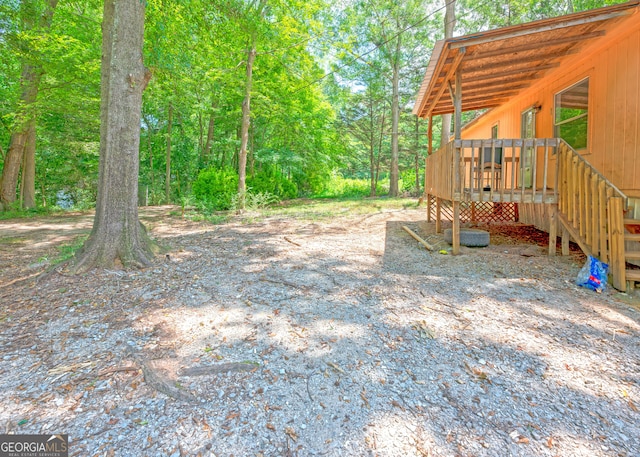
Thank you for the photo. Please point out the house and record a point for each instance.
(559, 143)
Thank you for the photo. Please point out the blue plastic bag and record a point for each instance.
(593, 275)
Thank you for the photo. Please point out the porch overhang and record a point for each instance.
(496, 65)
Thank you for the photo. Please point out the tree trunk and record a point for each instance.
(150, 151)
(395, 117)
(118, 237)
(246, 112)
(372, 153)
(210, 132)
(381, 137)
(252, 157)
(449, 26)
(28, 183)
(29, 81)
(167, 178)
(11, 170)
(244, 129)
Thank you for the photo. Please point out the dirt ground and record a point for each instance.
(302, 337)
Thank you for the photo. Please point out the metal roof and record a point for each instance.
(498, 64)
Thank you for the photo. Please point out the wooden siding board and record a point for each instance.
(631, 178)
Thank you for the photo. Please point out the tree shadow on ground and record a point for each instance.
(362, 347)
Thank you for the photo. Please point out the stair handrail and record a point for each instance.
(594, 215)
(593, 170)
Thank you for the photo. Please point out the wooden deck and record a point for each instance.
(504, 170)
(582, 204)
(547, 196)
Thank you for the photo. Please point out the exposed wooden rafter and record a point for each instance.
(452, 70)
(586, 17)
(498, 64)
(551, 43)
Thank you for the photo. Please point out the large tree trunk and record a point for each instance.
(167, 175)
(29, 81)
(28, 183)
(117, 236)
(449, 26)
(395, 118)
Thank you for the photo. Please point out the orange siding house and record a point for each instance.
(559, 137)
(612, 67)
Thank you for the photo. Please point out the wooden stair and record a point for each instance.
(632, 233)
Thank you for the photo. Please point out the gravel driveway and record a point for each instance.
(331, 338)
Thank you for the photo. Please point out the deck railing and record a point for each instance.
(590, 208)
(504, 170)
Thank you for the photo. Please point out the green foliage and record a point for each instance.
(340, 187)
(67, 251)
(270, 180)
(408, 180)
(215, 188)
(16, 212)
(253, 201)
(310, 134)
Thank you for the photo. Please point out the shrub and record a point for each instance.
(253, 201)
(215, 188)
(270, 181)
(339, 186)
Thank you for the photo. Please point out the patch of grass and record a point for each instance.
(324, 209)
(217, 218)
(317, 209)
(12, 240)
(66, 251)
(27, 213)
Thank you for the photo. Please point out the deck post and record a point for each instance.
(553, 229)
(428, 197)
(565, 241)
(455, 230)
(457, 104)
(438, 215)
(430, 136)
(616, 242)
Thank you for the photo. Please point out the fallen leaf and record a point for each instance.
(232, 415)
(550, 442)
(291, 433)
(363, 395)
(271, 427)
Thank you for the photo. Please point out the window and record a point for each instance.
(494, 132)
(571, 114)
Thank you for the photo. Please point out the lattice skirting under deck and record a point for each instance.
(477, 211)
